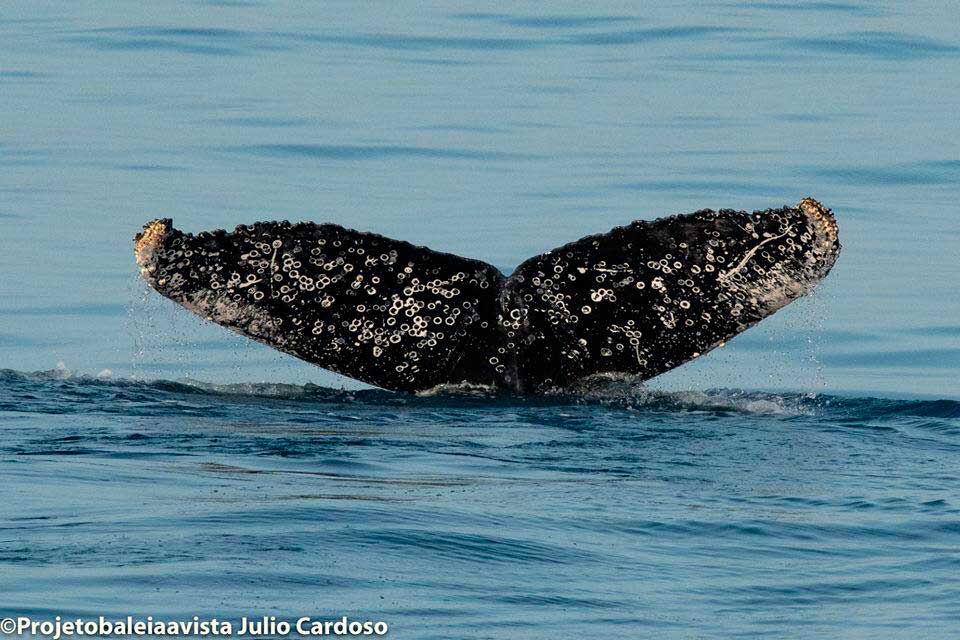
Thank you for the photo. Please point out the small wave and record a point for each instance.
(73, 388)
(460, 389)
(79, 392)
(631, 392)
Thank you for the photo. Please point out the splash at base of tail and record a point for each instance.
(636, 301)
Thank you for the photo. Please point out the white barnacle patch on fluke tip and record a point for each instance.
(635, 301)
(148, 241)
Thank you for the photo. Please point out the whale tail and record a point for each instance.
(638, 300)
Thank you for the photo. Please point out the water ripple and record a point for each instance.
(931, 172)
(545, 22)
(812, 7)
(880, 45)
(372, 152)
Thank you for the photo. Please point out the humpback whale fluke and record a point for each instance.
(638, 300)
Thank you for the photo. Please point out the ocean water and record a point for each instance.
(799, 482)
(643, 514)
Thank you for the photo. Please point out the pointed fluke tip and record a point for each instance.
(147, 241)
(822, 216)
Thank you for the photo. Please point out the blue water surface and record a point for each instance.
(638, 514)
(800, 482)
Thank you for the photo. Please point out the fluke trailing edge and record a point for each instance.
(638, 300)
